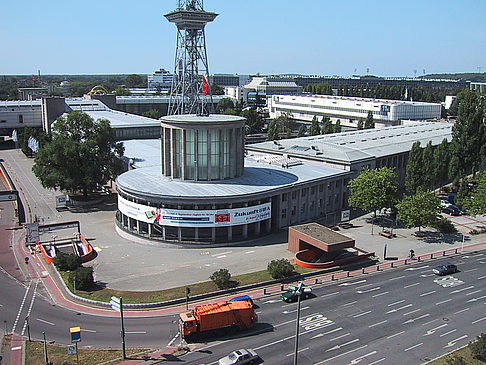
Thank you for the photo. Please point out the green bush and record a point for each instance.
(83, 278)
(456, 360)
(67, 262)
(478, 347)
(280, 269)
(222, 278)
(445, 226)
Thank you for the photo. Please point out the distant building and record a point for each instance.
(236, 93)
(478, 86)
(230, 79)
(350, 109)
(160, 79)
(267, 86)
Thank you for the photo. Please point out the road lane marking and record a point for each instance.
(400, 301)
(481, 277)
(453, 342)
(473, 292)
(344, 353)
(396, 278)
(377, 361)
(478, 320)
(397, 309)
(87, 330)
(365, 286)
(409, 286)
(344, 305)
(292, 353)
(30, 308)
(294, 310)
(361, 314)
(328, 295)
(247, 252)
(377, 324)
(414, 311)
(221, 257)
(448, 333)
(46, 322)
(136, 332)
(337, 338)
(476, 299)
(353, 283)
(462, 310)
(460, 290)
(416, 319)
(358, 359)
(380, 294)
(417, 268)
(172, 341)
(327, 333)
(428, 293)
(221, 253)
(21, 307)
(414, 346)
(337, 347)
(470, 270)
(432, 331)
(15, 348)
(367, 290)
(444, 301)
(396, 334)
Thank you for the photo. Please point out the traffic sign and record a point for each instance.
(115, 303)
(71, 350)
(75, 334)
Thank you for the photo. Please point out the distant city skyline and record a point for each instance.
(393, 38)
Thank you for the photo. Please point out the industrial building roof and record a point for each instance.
(355, 146)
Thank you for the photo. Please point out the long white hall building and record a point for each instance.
(350, 109)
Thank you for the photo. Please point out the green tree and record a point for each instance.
(135, 80)
(428, 167)
(419, 210)
(414, 172)
(273, 129)
(478, 347)
(373, 190)
(441, 163)
(152, 113)
(221, 278)
(468, 135)
(83, 277)
(254, 121)
(216, 89)
(67, 262)
(81, 157)
(327, 127)
(302, 131)
(121, 91)
(280, 269)
(223, 104)
(475, 203)
(337, 126)
(360, 124)
(288, 134)
(369, 122)
(314, 129)
(456, 360)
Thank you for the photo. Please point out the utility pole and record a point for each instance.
(45, 349)
(28, 327)
(122, 330)
(299, 294)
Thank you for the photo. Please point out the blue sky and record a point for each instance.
(321, 37)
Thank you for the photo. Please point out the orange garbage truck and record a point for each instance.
(216, 317)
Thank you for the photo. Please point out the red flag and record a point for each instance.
(33, 78)
(205, 86)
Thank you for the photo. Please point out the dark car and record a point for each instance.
(452, 210)
(291, 294)
(444, 269)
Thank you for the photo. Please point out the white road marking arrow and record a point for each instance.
(344, 344)
(272, 301)
(368, 290)
(453, 342)
(432, 331)
(416, 319)
(358, 359)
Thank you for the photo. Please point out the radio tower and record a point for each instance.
(190, 92)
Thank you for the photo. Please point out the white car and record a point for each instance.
(239, 357)
(445, 204)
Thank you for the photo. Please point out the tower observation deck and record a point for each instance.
(190, 92)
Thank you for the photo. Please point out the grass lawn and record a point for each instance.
(34, 355)
(104, 294)
(465, 353)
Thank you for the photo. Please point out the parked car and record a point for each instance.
(444, 269)
(240, 357)
(452, 210)
(242, 297)
(291, 294)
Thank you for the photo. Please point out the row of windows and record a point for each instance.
(351, 110)
(332, 184)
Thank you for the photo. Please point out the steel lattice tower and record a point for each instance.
(191, 62)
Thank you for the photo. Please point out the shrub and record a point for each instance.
(221, 278)
(478, 347)
(83, 278)
(445, 226)
(456, 360)
(65, 262)
(279, 269)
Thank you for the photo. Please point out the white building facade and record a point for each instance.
(350, 109)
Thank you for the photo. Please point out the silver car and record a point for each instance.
(239, 357)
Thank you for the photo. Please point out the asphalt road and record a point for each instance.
(405, 313)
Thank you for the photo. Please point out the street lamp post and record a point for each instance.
(28, 327)
(298, 292)
(45, 349)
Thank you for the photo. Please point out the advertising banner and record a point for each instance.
(195, 218)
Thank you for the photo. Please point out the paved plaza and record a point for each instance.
(123, 263)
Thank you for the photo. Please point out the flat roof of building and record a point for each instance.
(359, 145)
(359, 99)
(258, 177)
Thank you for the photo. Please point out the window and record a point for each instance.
(294, 195)
(293, 210)
(304, 192)
(202, 154)
(284, 213)
(21, 118)
(284, 197)
(302, 208)
(313, 190)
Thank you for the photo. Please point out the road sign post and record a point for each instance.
(75, 337)
(117, 304)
